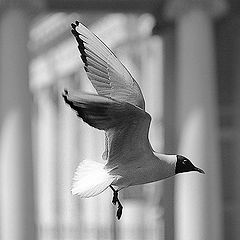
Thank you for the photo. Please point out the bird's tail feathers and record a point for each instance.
(90, 179)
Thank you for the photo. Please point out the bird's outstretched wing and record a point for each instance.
(107, 74)
(126, 125)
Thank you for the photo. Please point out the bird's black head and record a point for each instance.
(185, 165)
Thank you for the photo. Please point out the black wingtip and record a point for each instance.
(73, 26)
(65, 95)
(71, 103)
(66, 99)
(65, 91)
(74, 31)
(80, 41)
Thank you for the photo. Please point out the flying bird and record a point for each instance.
(118, 108)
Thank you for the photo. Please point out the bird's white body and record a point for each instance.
(143, 168)
(92, 178)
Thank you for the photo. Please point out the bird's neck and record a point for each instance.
(167, 161)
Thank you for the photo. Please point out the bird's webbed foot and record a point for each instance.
(119, 210)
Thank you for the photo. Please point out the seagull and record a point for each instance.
(118, 108)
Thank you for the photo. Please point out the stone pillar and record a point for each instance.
(198, 200)
(46, 133)
(228, 50)
(90, 207)
(152, 222)
(17, 175)
(169, 123)
(233, 203)
(69, 215)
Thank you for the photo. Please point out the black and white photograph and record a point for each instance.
(120, 120)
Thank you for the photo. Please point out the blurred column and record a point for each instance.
(228, 47)
(17, 185)
(91, 208)
(69, 216)
(46, 162)
(169, 123)
(198, 200)
(234, 202)
(152, 85)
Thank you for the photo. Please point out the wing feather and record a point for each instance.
(102, 66)
(96, 64)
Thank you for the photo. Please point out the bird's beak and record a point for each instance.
(199, 170)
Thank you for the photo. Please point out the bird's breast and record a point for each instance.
(141, 172)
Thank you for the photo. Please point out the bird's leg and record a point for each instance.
(116, 200)
(115, 195)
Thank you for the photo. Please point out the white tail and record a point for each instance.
(90, 179)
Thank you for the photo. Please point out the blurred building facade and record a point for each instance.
(185, 56)
(63, 141)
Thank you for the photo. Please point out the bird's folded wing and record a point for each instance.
(107, 74)
(126, 125)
